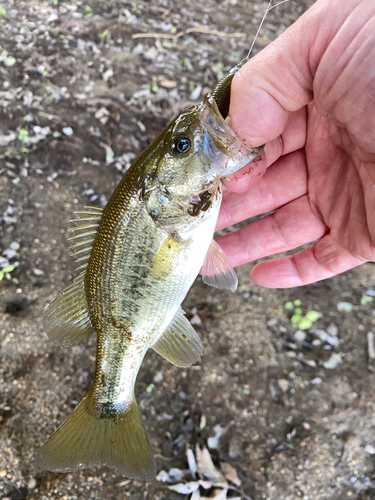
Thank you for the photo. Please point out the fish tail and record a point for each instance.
(95, 434)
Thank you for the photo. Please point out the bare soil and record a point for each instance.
(82, 98)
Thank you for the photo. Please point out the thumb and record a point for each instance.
(280, 78)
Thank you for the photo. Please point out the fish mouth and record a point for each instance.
(223, 139)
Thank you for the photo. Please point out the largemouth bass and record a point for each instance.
(138, 258)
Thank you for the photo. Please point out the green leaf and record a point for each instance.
(305, 324)
(313, 315)
(3, 12)
(154, 86)
(8, 269)
(289, 306)
(296, 318)
(22, 134)
(366, 299)
(297, 302)
(150, 388)
(104, 34)
(298, 310)
(1, 275)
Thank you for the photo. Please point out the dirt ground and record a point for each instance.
(82, 94)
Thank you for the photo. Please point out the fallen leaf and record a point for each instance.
(230, 473)
(191, 461)
(205, 466)
(185, 489)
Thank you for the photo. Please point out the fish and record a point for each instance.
(138, 257)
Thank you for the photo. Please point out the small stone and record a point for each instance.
(333, 361)
(333, 330)
(369, 448)
(196, 320)
(283, 384)
(53, 17)
(9, 253)
(68, 131)
(300, 336)
(31, 484)
(14, 245)
(9, 61)
(168, 84)
(38, 272)
(345, 307)
(159, 377)
(316, 381)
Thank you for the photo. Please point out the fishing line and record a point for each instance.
(247, 58)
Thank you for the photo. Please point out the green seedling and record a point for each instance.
(22, 134)
(366, 299)
(150, 388)
(154, 86)
(5, 271)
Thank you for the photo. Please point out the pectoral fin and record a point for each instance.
(167, 257)
(217, 271)
(180, 343)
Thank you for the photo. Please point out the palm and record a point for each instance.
(321, 184)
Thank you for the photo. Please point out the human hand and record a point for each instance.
(310, 96)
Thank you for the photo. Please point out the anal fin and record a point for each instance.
(217, 271)
(67, 318)
(180, 343)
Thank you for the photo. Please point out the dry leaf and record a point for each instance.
(196, 495)
(185, 489)
(191, 461)
(230, 473)
(205, 465)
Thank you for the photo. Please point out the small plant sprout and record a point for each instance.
(22, 134)
(5, 271)
(303, 322)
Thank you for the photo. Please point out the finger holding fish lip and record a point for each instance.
(292, 139)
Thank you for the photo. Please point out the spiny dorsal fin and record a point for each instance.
(84, 234)
(180, 343)
(217, 271)
(67, 319)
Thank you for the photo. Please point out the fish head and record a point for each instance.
(197, 149)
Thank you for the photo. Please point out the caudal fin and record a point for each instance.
(88, 437)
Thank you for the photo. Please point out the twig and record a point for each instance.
(241, 492)
(123, 483)
(370, 352)
(190, 30)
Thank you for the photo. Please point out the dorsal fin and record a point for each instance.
(67, 319)
(84, 234)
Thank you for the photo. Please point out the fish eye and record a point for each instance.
(181, 145)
